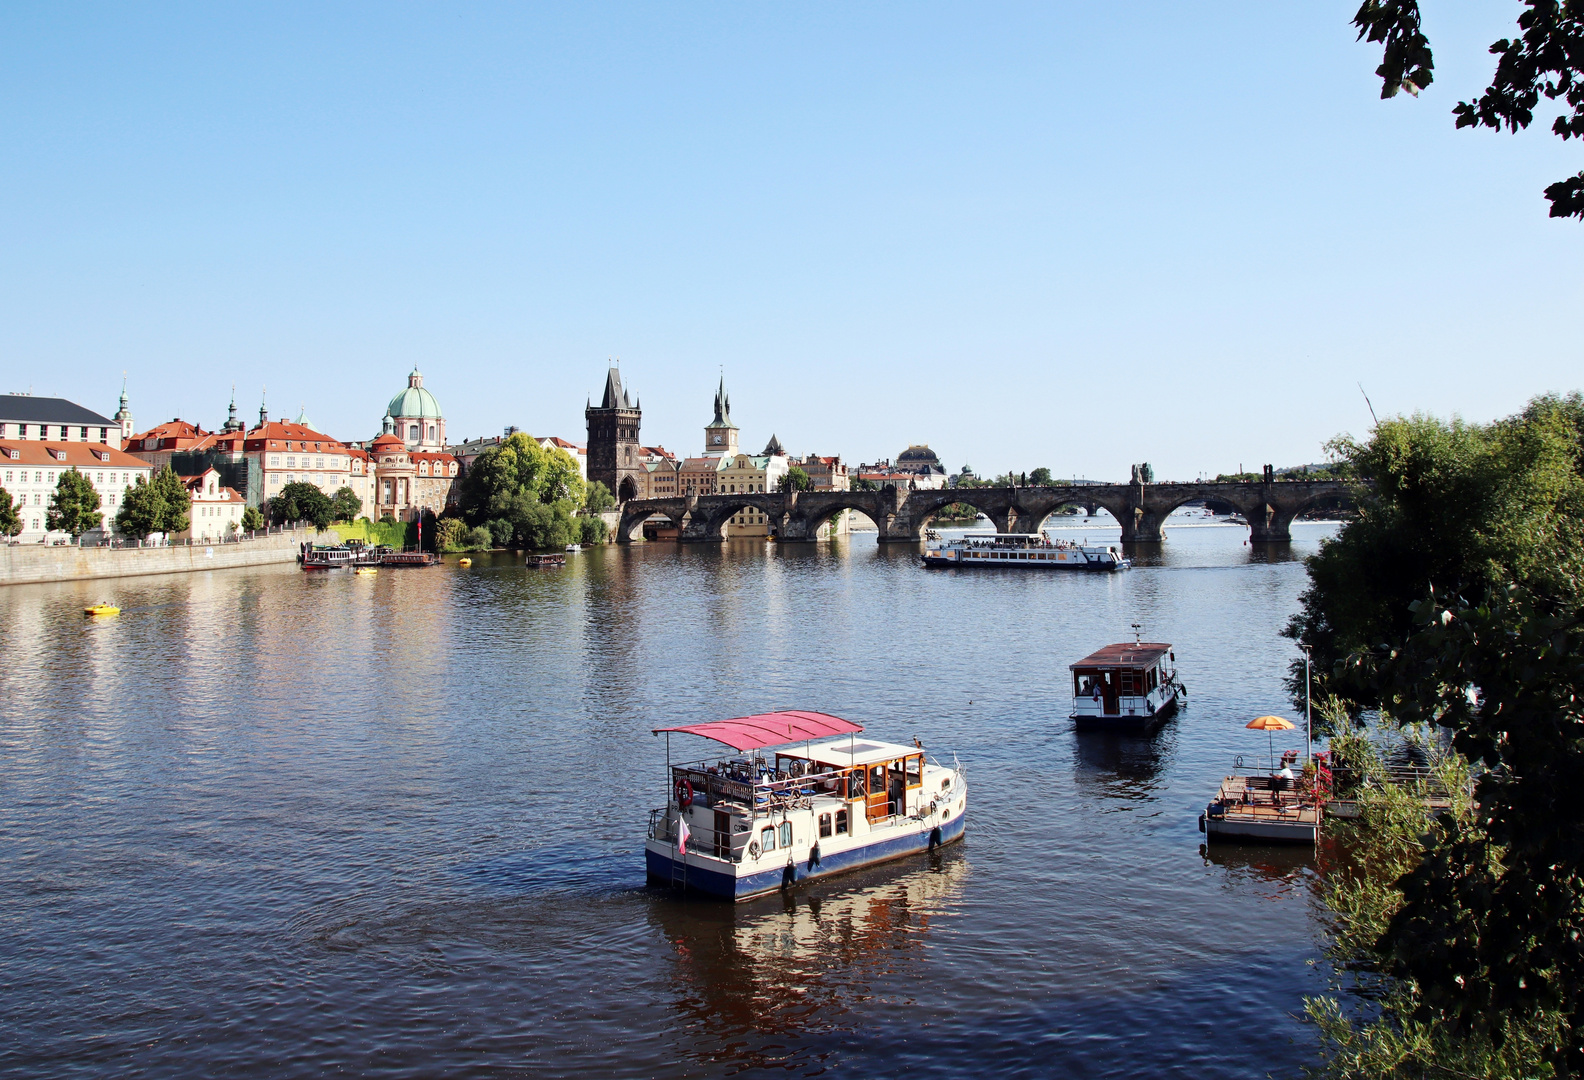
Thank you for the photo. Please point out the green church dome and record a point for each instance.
(414, 403)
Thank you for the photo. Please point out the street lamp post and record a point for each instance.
(1308, 723)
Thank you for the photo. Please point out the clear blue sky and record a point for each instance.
(1074, 235)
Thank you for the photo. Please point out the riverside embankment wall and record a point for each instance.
(32, 563)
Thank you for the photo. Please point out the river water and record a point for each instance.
(277, 824)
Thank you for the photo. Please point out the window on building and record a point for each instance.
(275, 459)
(99, 478)
(412, 432)
(318, 463)
(275, 479)
(84, 434)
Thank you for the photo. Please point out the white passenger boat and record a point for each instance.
(1131, 686)
(1019, 549)
(826, 802)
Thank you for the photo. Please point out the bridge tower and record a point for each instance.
(614, 456)
(720, 435)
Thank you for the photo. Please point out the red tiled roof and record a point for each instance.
(386, 441)
(175, 431)
(272, 435)
(82, 455)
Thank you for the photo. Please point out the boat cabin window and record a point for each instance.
(767, 839)
(915, 771)
(825, 825)
(786, 834)
(841, 822)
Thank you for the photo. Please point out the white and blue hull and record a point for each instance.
(721, 878)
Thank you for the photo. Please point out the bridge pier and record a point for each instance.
(1270, 523)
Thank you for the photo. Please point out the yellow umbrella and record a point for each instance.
(1270, 724)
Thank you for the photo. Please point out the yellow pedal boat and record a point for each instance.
(102, 609)
(360, 571)
(464, 562)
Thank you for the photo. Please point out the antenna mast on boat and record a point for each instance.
(1138, 639)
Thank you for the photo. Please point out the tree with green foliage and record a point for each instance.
(1452, 506)
(345, 505)
(74, 506)
(10, 520)
(534, 489)
(592, 530)
(450, 534)
(796, 479)
(520, 466)
(252, 520)
(1547, 59)
(1454, 601)
(302, 501)
(1040, 477)
(161, 505)
(500, 531)
(598, 497)
(478, 538)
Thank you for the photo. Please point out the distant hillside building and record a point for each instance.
(53, 419)
(614, 455)
(160, 443)
(29, 471)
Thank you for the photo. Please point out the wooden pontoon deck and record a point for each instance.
(1261, 809)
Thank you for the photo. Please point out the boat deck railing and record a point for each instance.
(761, 793)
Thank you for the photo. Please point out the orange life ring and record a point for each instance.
(684, 793)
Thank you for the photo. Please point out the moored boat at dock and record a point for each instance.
(1130, 686)
(1263, 806)
(1034, 550)
(748, 824)
(339, 556)
(409, 558)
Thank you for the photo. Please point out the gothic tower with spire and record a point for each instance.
(614, 456)
(720, 435)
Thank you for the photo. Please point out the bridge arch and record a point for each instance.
(708, 521)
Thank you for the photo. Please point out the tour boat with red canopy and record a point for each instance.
(822, 802)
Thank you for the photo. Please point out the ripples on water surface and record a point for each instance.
(273, 823)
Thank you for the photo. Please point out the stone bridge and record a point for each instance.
(903, 515)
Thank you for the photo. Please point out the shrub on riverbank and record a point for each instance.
(1454, 603)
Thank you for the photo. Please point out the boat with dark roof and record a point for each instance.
(746, 824)
(1129, 686)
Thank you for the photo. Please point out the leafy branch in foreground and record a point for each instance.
(1546, 59)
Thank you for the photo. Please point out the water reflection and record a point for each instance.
(1268, 872)
(798, 964)
(1121, 767)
